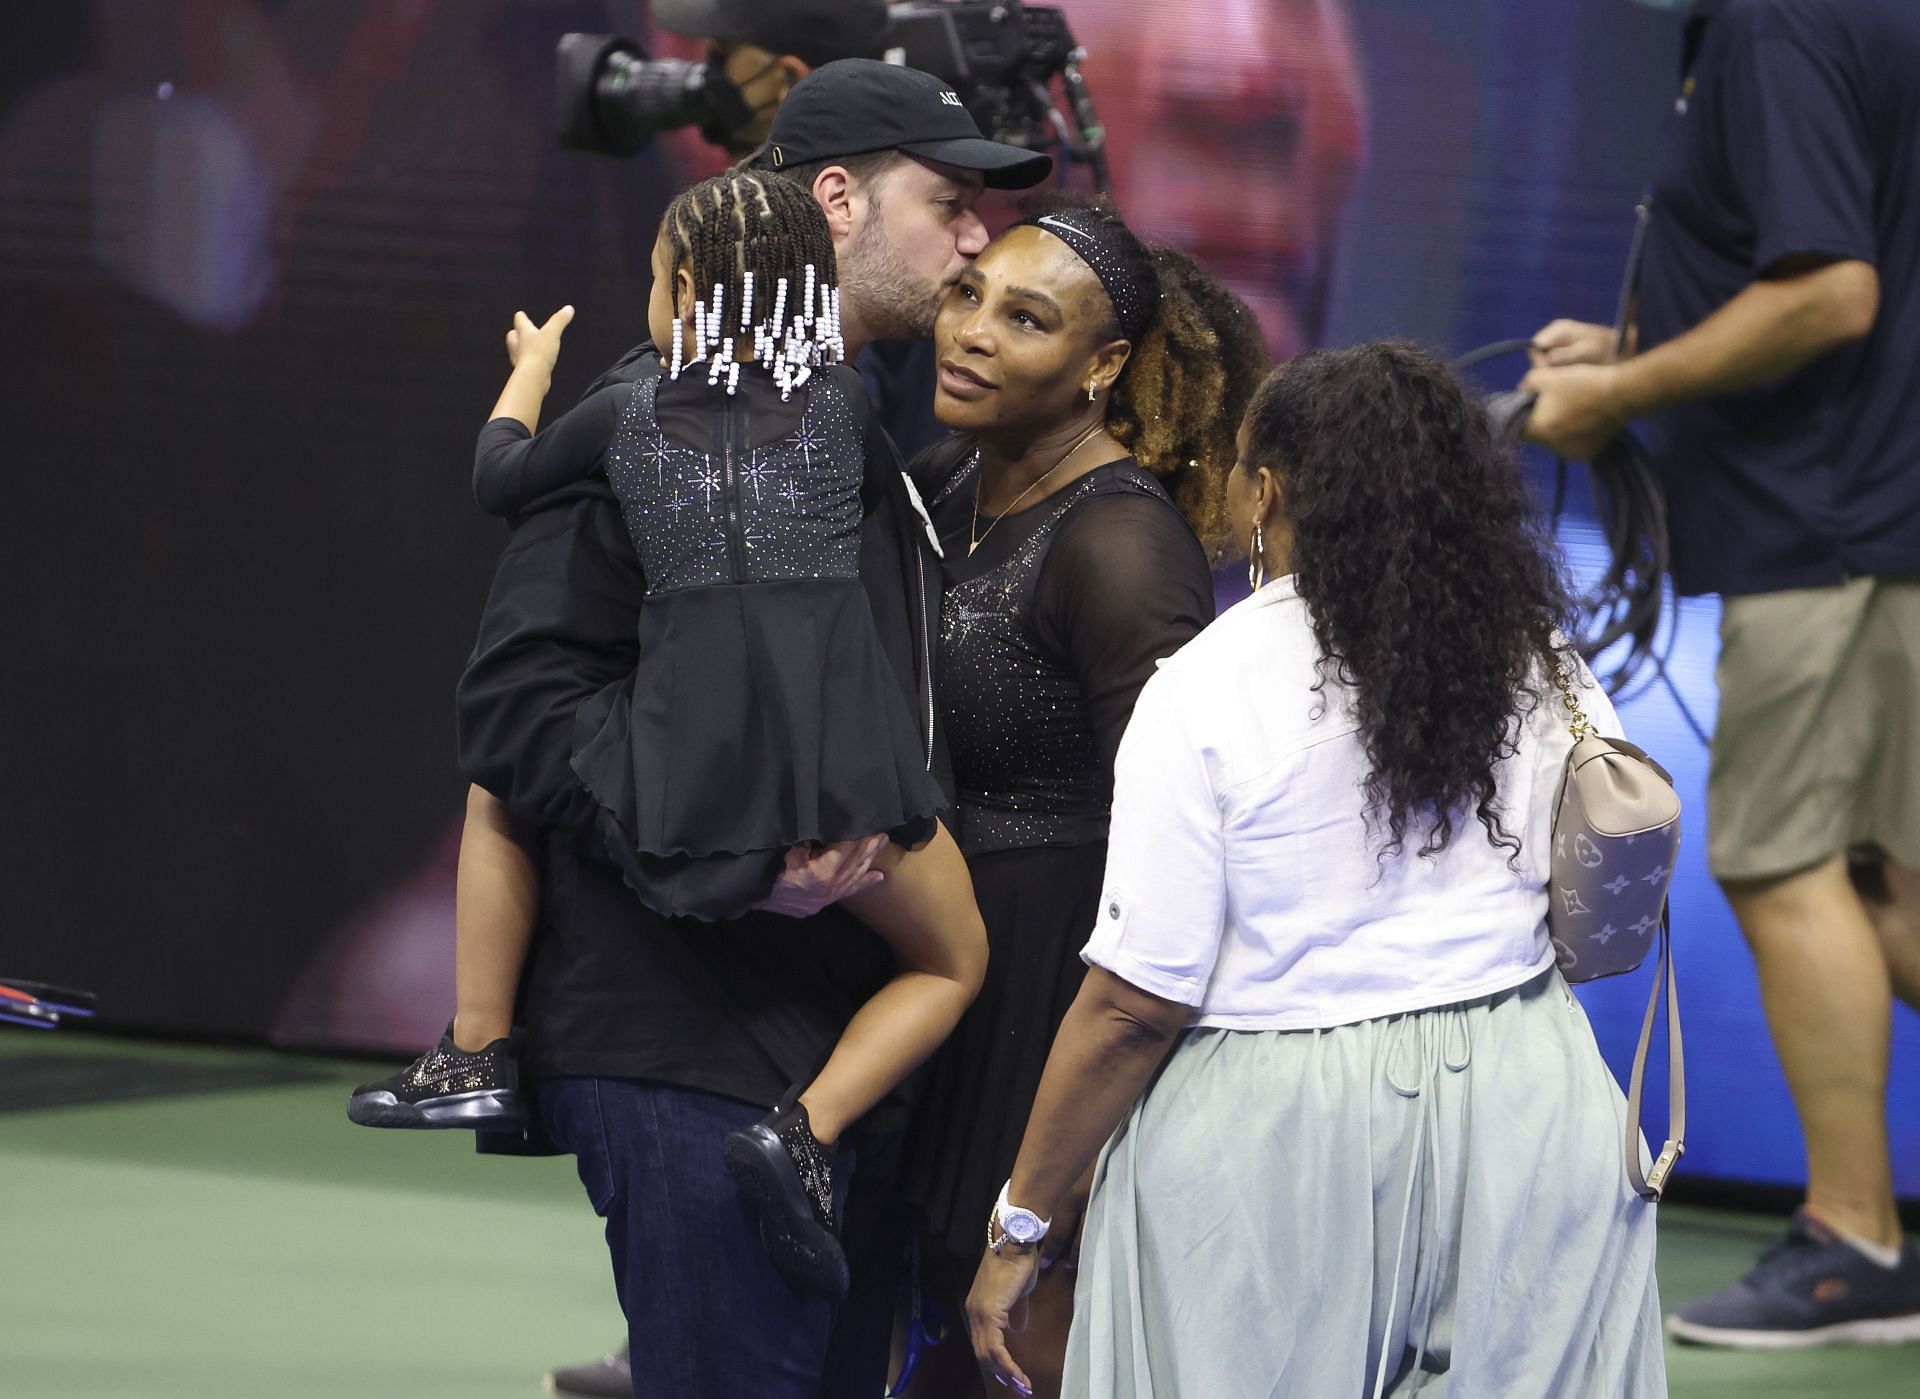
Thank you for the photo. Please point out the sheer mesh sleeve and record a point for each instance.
(512, 469)
(1125, 585)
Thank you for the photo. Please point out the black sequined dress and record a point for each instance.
(1048, 631)
(763, 713)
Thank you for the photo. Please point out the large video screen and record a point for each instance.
(258, 258)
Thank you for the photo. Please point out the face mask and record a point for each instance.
(757, 74)
(731, 141)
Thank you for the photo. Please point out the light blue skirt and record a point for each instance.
(1430, 1204)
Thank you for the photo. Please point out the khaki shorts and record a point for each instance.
(1817, 748)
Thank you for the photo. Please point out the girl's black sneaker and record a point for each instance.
(447, 1087)
(787, 1175)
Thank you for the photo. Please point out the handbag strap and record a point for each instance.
(1650, 1185)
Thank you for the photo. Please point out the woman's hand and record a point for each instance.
(816, 878)
(537, 346)
(1003, 1282)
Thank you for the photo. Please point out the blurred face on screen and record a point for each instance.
(1235, 129)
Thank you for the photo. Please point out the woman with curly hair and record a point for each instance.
(1094, 386)
(1358, 1136)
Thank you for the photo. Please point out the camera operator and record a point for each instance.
(762, 49)
(1779, 322)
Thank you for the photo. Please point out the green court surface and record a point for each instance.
(209, 1231)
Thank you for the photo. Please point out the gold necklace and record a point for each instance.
(974, 537)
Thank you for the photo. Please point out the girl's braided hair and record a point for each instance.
(742, 221)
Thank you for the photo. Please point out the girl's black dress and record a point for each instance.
(1048, 632)
(763, 713)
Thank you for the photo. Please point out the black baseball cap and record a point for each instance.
(818, 31)
(857, 106)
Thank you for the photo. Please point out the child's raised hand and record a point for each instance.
(537, 344)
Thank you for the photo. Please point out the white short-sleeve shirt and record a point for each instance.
(1243, 877)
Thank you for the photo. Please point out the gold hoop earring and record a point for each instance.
(1257, 560)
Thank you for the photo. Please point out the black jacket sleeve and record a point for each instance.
(561, 623)
(901, 570)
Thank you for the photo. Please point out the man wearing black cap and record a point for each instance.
(647, 1040)
(862, 121)
(917, 163)
(897, 164)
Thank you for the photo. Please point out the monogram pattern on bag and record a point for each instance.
(1605, 923)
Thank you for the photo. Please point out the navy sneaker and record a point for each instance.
(1810, 1289)
(609, 1377)
(447, 1087)
(787, 1175)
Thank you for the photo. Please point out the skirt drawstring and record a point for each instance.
(1444, 1040)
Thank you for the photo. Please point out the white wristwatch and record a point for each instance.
(1010, 1224)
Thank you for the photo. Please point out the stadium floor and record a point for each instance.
(183, 1222)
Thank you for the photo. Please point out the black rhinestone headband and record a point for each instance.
(1090, 235)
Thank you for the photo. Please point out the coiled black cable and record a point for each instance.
(1632, 599)
(1628, 602)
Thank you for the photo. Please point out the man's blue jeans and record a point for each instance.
(706, 1313)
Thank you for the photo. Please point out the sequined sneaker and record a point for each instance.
(788, 1179)
(1810, 1289)
(447, 1087)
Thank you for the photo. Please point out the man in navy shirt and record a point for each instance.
(1779, 330)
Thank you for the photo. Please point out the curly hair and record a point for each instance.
(1435, 594)
(1177, 405)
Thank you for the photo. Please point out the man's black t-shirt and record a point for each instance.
(1797, 134)
(899, 376)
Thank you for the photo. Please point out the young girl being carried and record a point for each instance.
(763, 714)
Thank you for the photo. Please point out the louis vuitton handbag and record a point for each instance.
(1616, 836)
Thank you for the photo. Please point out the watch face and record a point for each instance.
(1022, 1226)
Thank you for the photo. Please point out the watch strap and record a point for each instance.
(998, 1236)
